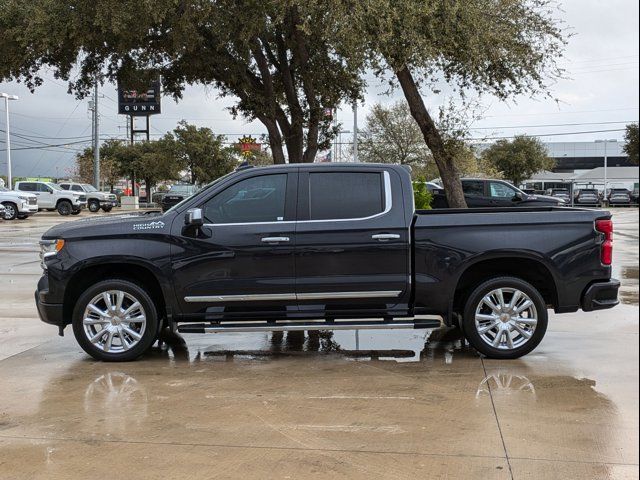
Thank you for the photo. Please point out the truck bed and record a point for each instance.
(561, 243)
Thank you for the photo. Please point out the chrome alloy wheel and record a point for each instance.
(9, 212)
(114, 321)
(506, 318)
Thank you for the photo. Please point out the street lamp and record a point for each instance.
(605, 142)
(8, 97)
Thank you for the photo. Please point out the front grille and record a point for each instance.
(83, 198)
(33, 201)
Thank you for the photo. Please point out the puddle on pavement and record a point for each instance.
(359, 345)
(629, 285)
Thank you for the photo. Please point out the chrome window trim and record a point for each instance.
(292, 296)
(388, 204)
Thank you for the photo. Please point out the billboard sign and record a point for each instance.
(135, 102)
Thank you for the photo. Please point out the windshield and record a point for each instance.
(53, 185)
(89, 188)
(206, 187)
(182, 189)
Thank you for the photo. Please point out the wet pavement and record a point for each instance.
(376, 404)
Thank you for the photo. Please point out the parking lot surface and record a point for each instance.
(394, 404)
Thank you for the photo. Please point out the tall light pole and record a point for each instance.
(605, 142)
(355, 131)
(96, 139)
(8, 97)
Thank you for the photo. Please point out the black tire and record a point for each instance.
(476, 298)
(23, 217)
(151, 329)
(64, 207)
(11, 210)
(107, 209)
(75, 212)
(94, 206)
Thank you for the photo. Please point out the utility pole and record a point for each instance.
(96, 139)
(605, 165)
(355, 131)
(8, 97)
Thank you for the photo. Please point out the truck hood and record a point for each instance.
(117, 225)
(16, 193)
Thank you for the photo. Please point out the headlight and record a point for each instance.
(49, 248)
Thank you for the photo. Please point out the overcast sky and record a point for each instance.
(601, 94)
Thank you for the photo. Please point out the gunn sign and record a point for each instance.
(135, 102)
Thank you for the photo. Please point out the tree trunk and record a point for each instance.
(295, 142)
(147, 187)
(312, 137)
(275, 139)
(444, 161)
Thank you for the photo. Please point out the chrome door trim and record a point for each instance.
(274, 239)
(293, 296)
(338, 295)
(385, 236)
(241, 298)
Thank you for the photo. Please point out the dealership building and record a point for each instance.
(581, 165)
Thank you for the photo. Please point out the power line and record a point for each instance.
(551, 125)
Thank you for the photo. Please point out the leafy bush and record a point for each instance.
(422, 196)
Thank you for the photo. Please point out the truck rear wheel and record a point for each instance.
(64, 207)
(115, 321)
(505, 318)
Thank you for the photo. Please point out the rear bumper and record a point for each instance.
(601, 295)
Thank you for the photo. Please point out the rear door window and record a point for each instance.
(27, 187)
(344, 195)
(473, 188)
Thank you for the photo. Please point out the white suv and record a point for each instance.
(17, 204)
(52, 197)
(95, 198)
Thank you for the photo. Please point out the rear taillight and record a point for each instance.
(606, 250)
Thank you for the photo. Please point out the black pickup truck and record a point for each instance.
(315, 247)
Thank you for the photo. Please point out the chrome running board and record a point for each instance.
(285, 326)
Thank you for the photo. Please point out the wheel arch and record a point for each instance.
(531, 269)
(139, 273)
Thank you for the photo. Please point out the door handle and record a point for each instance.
(383, 237)
(274, 239)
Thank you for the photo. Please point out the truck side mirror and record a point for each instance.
(194, 217)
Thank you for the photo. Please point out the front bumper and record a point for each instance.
(51, 313)
(27, 209)
(601, 295)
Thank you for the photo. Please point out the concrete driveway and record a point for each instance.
(388, 405)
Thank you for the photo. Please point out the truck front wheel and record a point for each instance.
(505, 318)
(94, 206)
(115, 321)
(10, 210)
(64, 207)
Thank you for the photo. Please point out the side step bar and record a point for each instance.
(297, 326)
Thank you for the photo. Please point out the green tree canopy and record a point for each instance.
(277, 58)
(499, 47)
(109, 169)
(200, 152)
(391, 135)
(519, 158)
(631, 142)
